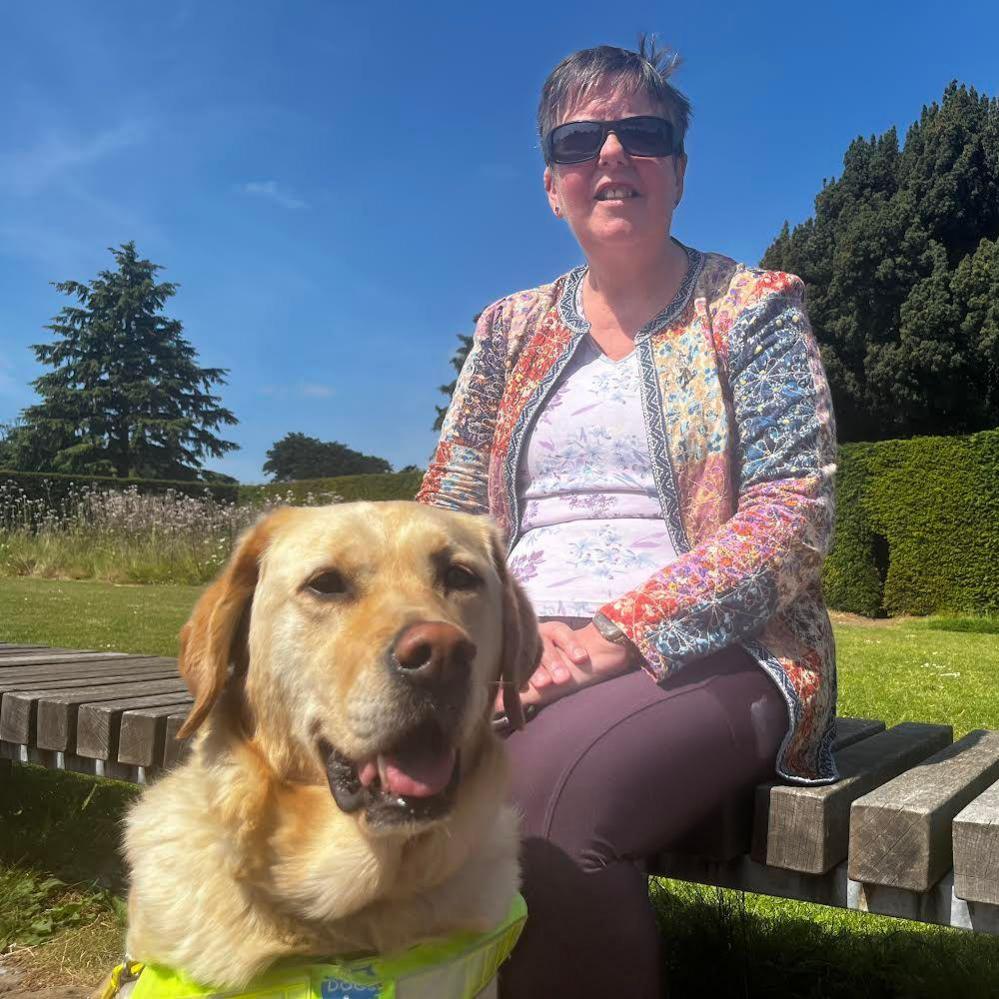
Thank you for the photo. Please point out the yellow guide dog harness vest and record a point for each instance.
(459, 967)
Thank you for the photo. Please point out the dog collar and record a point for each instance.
(460, 966)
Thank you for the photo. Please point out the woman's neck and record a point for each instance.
(635, 289)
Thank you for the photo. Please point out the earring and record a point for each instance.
(557, 211)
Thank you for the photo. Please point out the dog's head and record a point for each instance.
(364, 642)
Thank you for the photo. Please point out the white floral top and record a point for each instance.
(592, 527)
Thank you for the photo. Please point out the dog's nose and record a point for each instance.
(433, 652)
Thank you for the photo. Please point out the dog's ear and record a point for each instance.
(215, 634)
(521, 641)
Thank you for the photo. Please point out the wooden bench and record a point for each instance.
(911, 829)
(103, 713)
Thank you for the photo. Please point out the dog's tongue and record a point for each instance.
(419, 772)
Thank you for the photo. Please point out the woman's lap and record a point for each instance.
(620, 769)
(608, 776)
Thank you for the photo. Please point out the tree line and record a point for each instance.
(901, 265)
(126, 396)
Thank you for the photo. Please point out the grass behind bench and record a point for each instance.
(716, 944)
(90, 615)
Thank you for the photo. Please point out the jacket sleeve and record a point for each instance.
(730, 585)
(457, 478)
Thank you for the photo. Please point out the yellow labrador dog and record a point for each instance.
(345, 792)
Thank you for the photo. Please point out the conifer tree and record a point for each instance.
(900, 264)
(125, 395)
(457, 362)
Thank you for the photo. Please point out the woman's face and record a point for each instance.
(616, 200)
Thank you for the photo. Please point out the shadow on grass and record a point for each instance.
(64, 824)
(723, 944)
(716, 944)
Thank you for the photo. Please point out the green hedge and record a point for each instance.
(391, 486)
(852, 578)
(917, 527)
(55, 486)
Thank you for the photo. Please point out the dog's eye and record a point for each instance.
(327, 584)
(457, 577)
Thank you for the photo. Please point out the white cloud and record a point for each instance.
(314, 391)
(308, 390)
(59, 154)
(272, 191)
(47, 246)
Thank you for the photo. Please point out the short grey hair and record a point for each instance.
(646, 71)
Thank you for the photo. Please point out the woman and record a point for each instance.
(653, 432)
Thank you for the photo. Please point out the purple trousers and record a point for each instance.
(606, 778)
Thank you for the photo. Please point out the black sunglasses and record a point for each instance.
(579, 141)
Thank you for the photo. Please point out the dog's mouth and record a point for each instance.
(413, 780)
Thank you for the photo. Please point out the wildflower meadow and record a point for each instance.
(124, 536)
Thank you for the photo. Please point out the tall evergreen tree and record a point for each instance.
(899, 261)
(457, 362)
(8, 452)
(126, 396)
(21, 450)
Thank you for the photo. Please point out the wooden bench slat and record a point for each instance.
(727, 832)
(56, 714)
(142, 738)
(52, 684)
(20, 709)
(18, 701)
(98, 725)
(806, 828)
(900, 833)
(976, 849)
(24, 676)
(70, 666)
(851, 730)
(11, 650)
(174, 749)
(54, 656)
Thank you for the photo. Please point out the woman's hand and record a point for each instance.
(572, 659)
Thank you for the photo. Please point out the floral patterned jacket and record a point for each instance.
(742, 440)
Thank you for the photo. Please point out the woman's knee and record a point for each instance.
(596, 814)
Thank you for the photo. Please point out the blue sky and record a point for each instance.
(339, 188)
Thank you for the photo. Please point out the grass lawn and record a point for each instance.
(718, 943)
(90, 615)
